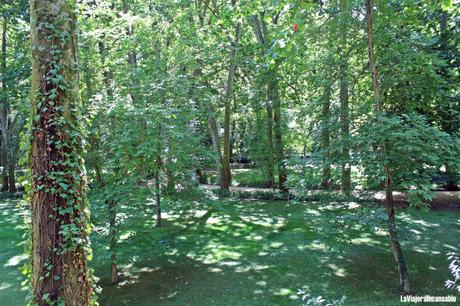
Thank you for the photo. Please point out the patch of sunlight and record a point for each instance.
(317, 246)
(172, 294)
(276, 245)
(126, 235)
(255, 237)
(258, 267)
(419, 250)
(432, 268)
(213, 220)
(16, 260)
(302, 247)
(215, 270)
(365, 241)
(283, 292)
(172, 252)
(229, 263)
(261, 283)
(293, 297)
(264, 221)
(262, 253)
(340, 272)
(425, 224)
(450, 247)
(313, 212)
(258, 291)
(200, 213)
(243, 269)
(127, 267)
(4, 286)
(435, 252)
(148, 270)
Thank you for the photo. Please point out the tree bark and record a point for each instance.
(59, 221)
(325, 135)
(11, 177)
(5, 111)
(269, 158)
(344, 101)
(394, 239)
(274, 97)
(227, 175)
(113, 240)
(274, 103)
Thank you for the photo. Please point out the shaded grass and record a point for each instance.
(11, 254)
(253, 253)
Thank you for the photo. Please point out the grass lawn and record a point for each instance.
(252, 253)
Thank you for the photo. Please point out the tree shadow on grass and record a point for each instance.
(260, 253)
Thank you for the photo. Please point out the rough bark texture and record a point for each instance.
(59, 221)
(394, 239)
(5, 111)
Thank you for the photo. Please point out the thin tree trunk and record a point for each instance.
(11, 177)
(113, 240)
(59, 222)
(344, 108)
(394, 239)
(227, 175)
(325, 135)
(5, 111)
(269, 157)
(158, 197)
(216, 144)
(274, 97)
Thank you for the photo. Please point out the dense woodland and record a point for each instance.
(144, 136)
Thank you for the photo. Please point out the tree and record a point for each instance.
(394, 240)
(58, 203)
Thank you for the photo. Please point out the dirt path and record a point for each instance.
(441, 199)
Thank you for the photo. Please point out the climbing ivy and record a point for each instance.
(58, 177)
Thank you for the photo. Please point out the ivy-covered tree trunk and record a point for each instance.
(325, 134)
(394, 239)
(5, 110)
(58, 203)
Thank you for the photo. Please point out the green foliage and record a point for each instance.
(415, 152)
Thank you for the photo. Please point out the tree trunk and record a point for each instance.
(345, 131)
(227, 175)
(273, 96)
(269, 157)
(325, 135)
(59, 222)
(394, 240)
(344, 108)
(216, 144)
(5, 111)
(113, 240)
(11, 177)
(158, 197)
